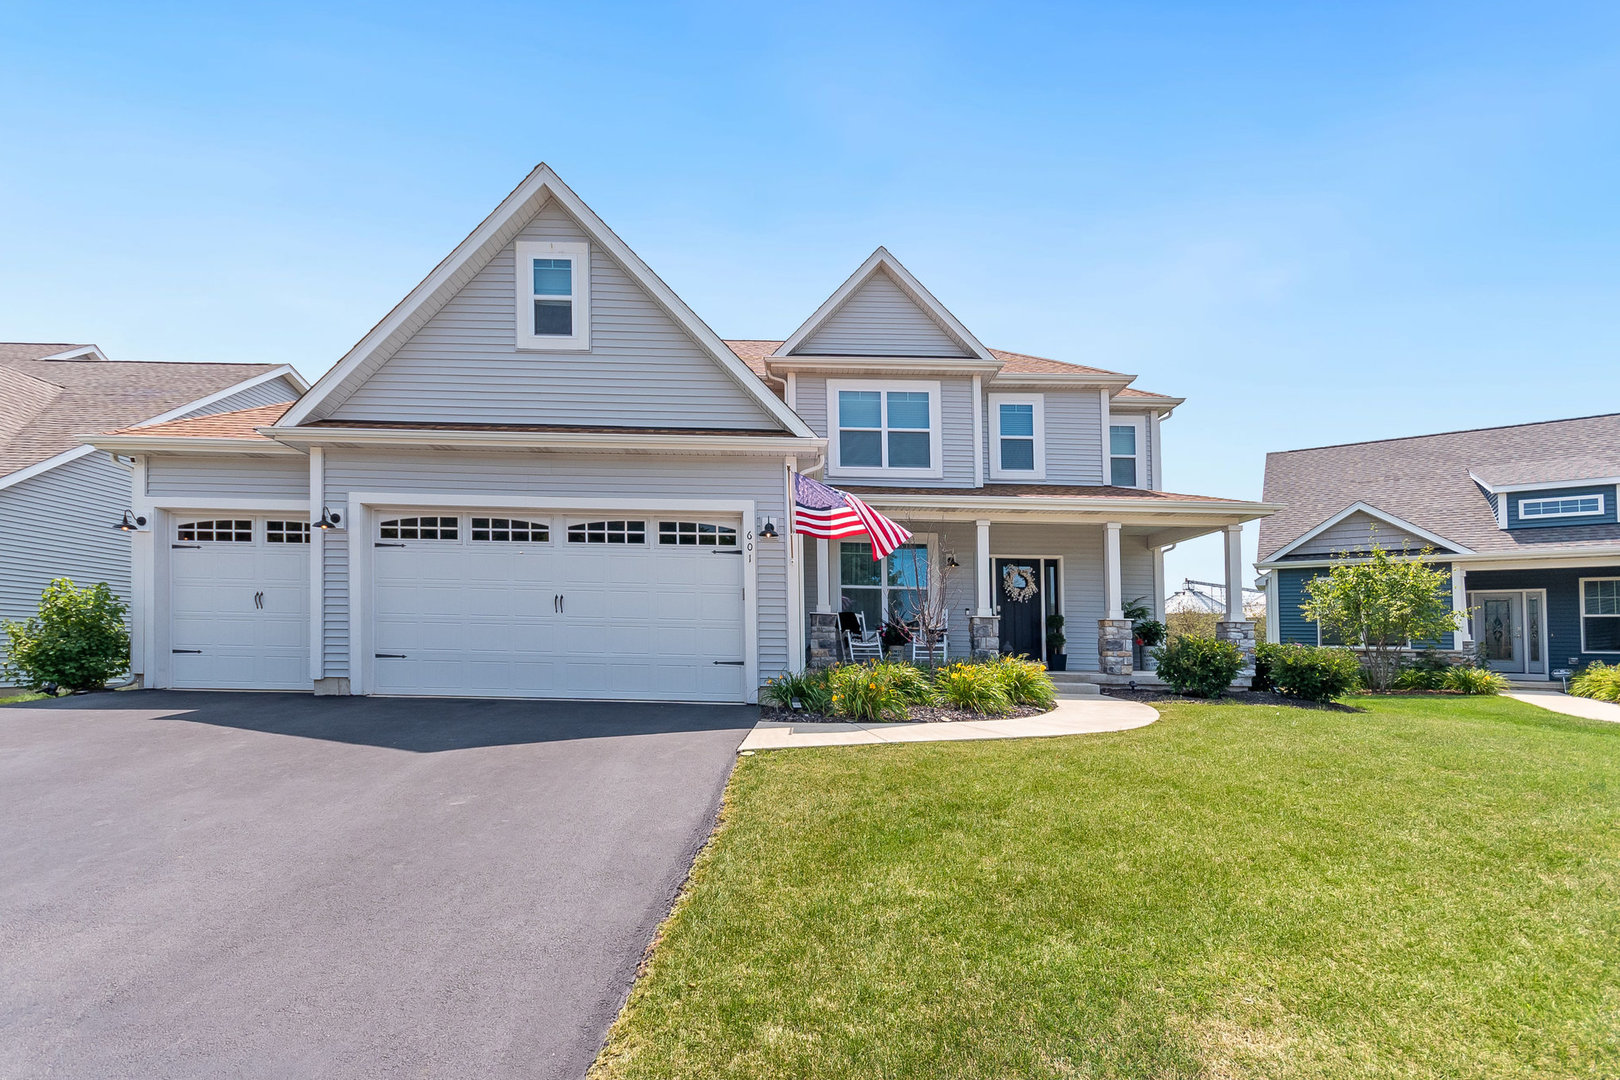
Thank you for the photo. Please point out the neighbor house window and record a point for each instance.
(883, 590)
(1600, 615)
(1126, 458)
(553, 295)
(1565, 506)
(1017, 437)
(884, 428)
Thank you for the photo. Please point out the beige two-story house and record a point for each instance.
(542, 475)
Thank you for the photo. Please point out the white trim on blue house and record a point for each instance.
(1372, 511)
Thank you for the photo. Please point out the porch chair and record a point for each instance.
(919, 646)
(863, 644)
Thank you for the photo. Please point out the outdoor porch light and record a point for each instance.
(130, 523)
(768, 532)
(950, 562)
(328, 520)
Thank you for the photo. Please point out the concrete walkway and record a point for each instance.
(1560, 702)
(1072, 716)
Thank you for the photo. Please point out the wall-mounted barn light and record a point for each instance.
(329, 520)
(130, 523)
(768, 530)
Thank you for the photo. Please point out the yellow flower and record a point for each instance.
(871, 686)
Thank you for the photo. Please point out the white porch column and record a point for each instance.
(981, 561)
(1234, 573)
(824, 576)
(1459, 604)
(1113, 587)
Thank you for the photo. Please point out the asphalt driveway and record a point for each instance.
(208, 885)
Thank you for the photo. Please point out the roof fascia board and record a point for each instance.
(735, 444)
(28, 472)
(1371, 511)
(543, 180)
(1542, 485)
(953, 499)
(948, 365)
(78, 352)
(881, 259)
(186, 444)
(1602, 555)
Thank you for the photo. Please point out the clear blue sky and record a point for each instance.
(1318, 223)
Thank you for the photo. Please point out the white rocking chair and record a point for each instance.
(919, 647)
(865, 645)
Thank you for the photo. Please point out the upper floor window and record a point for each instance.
(553, 295)
(1562, 507)
(884, 428)
(1127, 462)
(1017, 437)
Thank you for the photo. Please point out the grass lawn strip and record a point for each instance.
(1427, 888)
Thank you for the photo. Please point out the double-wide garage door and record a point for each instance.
(494, 603)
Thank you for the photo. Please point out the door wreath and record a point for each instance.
(1018, 582)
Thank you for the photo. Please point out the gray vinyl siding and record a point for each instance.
(880, 319)
(1607, 491)
(1073, 436)
(1079, 546)
(956, 412)
(1357, 533)
(207, 480)
(59, 524)
(643, 369)
(558, 476)
(274, 392)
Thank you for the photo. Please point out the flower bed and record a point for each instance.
(895, 690)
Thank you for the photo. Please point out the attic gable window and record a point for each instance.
(553, 295)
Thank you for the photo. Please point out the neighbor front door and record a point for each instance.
(1020, 589)
(1499, 629)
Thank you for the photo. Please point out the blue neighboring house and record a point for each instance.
(1523, 517)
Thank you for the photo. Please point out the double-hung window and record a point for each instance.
(884, 590)
(1600, 615)
(884, 428)
(553, 295)
(1017, 437)
(1127, 457)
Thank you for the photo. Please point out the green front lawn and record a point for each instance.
(1427, 888)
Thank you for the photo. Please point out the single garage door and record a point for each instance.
(239, 604)
(488, 604)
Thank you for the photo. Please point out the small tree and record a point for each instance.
(932, 611)
(1382, 603)
(77, 641)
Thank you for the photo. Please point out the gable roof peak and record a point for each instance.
(882, 261)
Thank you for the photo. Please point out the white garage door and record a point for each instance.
(239, 604)
(490, 604)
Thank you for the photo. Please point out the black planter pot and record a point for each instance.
(1058, 662)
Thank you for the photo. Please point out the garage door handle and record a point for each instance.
(379, 543)
(185, 650)
(717, 551)
(389, 655)
(197, 546)
(731, 663)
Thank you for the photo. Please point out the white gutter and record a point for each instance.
(771, 445)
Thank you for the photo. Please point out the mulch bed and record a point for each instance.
(932, 714)
(1232, 697)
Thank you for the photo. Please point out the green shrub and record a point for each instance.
(811, 689)
(1598, 680)
(1199, 666)
(976, 688)
(1473, 680)
(1263, 652)
(1025, 682)
(1312, 672)
(77, 641)
(1425, 671)
(869, 692)
(913, 683)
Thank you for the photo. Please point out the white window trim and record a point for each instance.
(1039, 402)
(936, 467)
(1581, 585)
(1602, 506)
(1140, 424)
(927, 541)
(523, 272)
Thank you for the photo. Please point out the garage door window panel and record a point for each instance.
(421, 528)
(509, 531)
(696, 534)
(216, 532)
(608, 532)
(286, 532)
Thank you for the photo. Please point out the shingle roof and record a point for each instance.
(227, 425)
(1425, 480)
(753, 351)
(34, 350)
(46, 405)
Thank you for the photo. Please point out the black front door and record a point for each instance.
(1021, 591)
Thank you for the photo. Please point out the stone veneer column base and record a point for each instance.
(824, 651)
(1115, 643)
(332, 687)
(984, 636)
(1241, 634)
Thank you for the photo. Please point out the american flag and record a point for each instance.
(826, 512)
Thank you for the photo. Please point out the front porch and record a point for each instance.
(1531, 622)
(995, 583)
